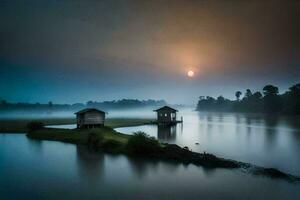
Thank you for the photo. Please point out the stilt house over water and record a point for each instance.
(90, 118)
(166, 115)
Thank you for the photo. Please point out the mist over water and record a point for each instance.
(54, 169)
(34, 114)
(265, 140)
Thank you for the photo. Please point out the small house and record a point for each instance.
(90, 118)
(166, 115)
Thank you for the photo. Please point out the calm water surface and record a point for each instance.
(32, 169)
(267, 141)
(53, 170)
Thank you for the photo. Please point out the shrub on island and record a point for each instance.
(35, 125)
(142, 144)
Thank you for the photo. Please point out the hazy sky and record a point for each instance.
(74, 51)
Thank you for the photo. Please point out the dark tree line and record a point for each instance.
(267, 101)
(125, 103)
(106, 105)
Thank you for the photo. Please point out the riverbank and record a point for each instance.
(110, 141)
(20, 125)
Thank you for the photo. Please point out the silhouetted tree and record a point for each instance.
(257, 95)
(220, 100)
(248, 93)
(270, 90)
(291, 100)
(255, 102)
(295, 90)
(272, 102)
(238, 95)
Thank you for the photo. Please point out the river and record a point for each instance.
(32, 169)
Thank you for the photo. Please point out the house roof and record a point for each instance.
(166, 108)
(89, 110)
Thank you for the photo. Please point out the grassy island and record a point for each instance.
(20, 125)
(108, 140)
(139, 144)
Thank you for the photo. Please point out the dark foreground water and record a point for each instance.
(54, 170)
(32, 169)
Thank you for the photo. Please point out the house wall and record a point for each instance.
(93, 118)
(90, 118)
(166, 116)
(79, 120)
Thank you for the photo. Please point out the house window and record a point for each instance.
(166, 115)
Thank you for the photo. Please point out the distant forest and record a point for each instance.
(106, 105)
(267, 101)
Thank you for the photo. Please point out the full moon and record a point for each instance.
(190, 73)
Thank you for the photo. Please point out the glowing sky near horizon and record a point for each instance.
(104, 50)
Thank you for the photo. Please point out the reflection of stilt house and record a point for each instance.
(166, 115)
(90, 118)
(166, 133)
